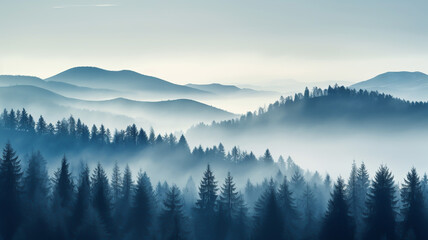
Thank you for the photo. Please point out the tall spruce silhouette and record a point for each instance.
(10, 194)
(289, 211)
(101, 198)
(206, 206)
(142, 210)
(268, 220)
(172, 219)
(63, 186)
(381, 206)
(413, 210)
(337, 224)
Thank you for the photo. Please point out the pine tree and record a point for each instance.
(337, 222)
(267, 157)
(94, 134)
(413, 210)
(72, 127)
(23, 121)
(127, 186)
(142, 139)
(227, 206)
(309, 221)
(362, 186)
(86, 223)
(41, 127)
(82, 206)
(10, 194)
(229, 197)
(380, 205)
(12, 120)
(172, 219)
(189, 195)
(183, 146)
(289, 211)
(142, 212)
(116, 181)
(36, 181)
(102, 135)
(205, 206)
(268, 219)
(241, 224)
(31, 124)
(63, 187)
(101, 199)
(36, 188)
(353, 193)
(152, 137)
(207, 192)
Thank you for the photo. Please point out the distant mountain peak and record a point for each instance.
(123, 80)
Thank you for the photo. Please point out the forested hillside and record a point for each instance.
(334, 105)
(89, 204)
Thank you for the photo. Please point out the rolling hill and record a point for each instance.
(407, 85)
(125, 80)
(65, 89)
(173, 115)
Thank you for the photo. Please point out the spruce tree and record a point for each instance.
(82, 205)
(142, 140)
(116, 181)
(228, 206)
(23, 121)
(288, 208)
(206, 206)
(10, 194)
(380, 205)
(309, 221)
(36, 188)
(142, 211)
(41, 127)
(268, 219)
(63, 187)
(122, 209)
(36, 181)
(353, 193)
(229, 197)
(240, 227)
(267, 157)
(207, 192)
(337, 223)
(101, 199)
(413, 209)
(183, 146)
(172, 219)
(127, 186)
(189, 195)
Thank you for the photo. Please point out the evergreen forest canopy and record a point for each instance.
(260, 198)
(90, 205)
(338, 104)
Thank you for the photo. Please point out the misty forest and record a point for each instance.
(50, 191)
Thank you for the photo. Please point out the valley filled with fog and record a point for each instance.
(326, 136)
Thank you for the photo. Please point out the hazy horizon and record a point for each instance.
(244, 42)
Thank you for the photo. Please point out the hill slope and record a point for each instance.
(66, 89)
(407, 85)
(124, 80)
(171, 115)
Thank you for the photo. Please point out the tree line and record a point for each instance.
(326, 105)
(91, 205)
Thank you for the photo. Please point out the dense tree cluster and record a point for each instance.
(326, 105)
(71, 135)
(90, 205)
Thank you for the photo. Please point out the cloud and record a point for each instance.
(85, 5)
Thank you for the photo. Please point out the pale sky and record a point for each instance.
(239, 42)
